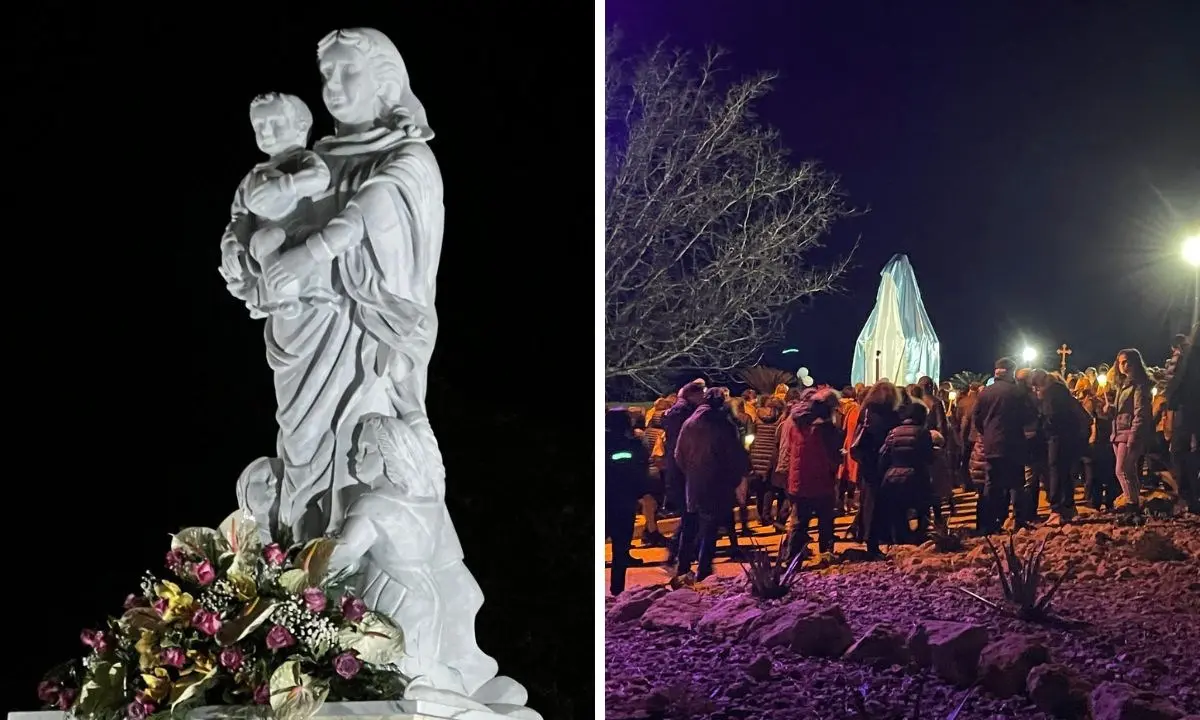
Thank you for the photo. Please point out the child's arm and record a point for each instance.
(311, 179)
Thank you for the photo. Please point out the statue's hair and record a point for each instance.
(297, 109)
(397, 104)
(408, 450)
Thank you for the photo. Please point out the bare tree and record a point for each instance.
(707, 223)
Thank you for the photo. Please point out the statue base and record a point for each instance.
(382, 710)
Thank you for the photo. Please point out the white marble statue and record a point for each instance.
(339, 249)
(376, 249)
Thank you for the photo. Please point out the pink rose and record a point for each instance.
(206, 621)
(231, 659)
(95, 639)
(134, 601)
(204, 572)
(66, 698)
(48, 691)
(262, 694)
(314, 599)
(280, 637)
(353, 608)
(160, 606)
(274, 554)
(135, 711)
(172, 657)
(347, 664)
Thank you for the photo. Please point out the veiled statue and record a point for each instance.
(338, 248)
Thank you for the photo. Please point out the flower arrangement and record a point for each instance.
(232, 622)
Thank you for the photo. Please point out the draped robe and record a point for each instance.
(370, 351)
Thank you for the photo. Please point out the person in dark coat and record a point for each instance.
(626, 464)
(876, 420)
(764, 452)
(675, 483)
(713, 459)
(1001, 415)
(904, 465)
(1183, 401)
(1063, 422)
(814, 448)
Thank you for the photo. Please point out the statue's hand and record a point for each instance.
(233, 260)
(270, 198)
(289, 267)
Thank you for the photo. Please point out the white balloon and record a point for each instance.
(802, 372)
(807, 381)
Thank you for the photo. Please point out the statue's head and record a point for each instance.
(364, 79)
(401, 450)
(281, 122)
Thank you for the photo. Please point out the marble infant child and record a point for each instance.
(266, 223)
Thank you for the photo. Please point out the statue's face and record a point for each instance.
(367, 463)
(349, 89)
(273, 128)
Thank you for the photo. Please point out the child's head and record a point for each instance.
(281, 122)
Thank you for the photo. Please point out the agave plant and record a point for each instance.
(1020, 577)
(764, 379)
(770, 579)
(963, 379)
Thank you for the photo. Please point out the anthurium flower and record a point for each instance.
(158, 684)
(179, 603)
(147, 650)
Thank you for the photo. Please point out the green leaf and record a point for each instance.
(375, 638)
(294, 580)
(255, 614)
(104, 689)
(295, 695)
(191, 687)
(205, 542)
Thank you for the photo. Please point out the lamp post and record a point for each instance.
(1191, 255)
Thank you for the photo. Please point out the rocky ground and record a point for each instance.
(867, 640)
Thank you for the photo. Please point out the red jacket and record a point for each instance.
(814, 459)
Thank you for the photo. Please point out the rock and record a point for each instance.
(1004, 664)
(1102, 538)
(1153, 547)
(953, 649)
(760, 668)
(1118, 701)
(630, 605)
(918, 646)
(881, 646)
(1058, 690)
(737, 689)
(806, 628)
(730, 616)
(676, 610)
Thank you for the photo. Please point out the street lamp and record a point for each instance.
(1191, 255)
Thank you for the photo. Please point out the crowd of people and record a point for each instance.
(893, 455)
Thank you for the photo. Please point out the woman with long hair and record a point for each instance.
(1133, 423)
(876, 420)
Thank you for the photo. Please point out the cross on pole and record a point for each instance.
(1063, 352)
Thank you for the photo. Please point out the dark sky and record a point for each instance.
(1023, 154)
(139, 389)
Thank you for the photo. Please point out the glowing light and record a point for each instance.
(953, 396)
(1102, 379)
(749, 439)
(1029, 354)
(1153, 391)
(623, 455)
(1191, 251)
(790, 351)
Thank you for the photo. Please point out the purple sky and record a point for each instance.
(1017, 154)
